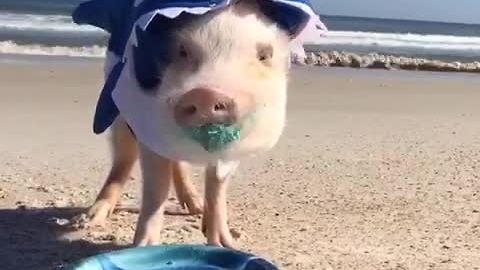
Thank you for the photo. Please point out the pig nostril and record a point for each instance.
(220, 107)
(190, 110)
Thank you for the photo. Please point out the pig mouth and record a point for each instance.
(216, 137)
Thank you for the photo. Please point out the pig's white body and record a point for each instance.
(238, 52)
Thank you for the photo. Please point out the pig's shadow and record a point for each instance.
(28, 241)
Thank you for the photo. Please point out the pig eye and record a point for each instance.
(182, 52)
(264, 53)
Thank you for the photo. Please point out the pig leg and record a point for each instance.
(157, 172)
(125, 153)
(186, 192)
(215, 225)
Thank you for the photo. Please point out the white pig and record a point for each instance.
(183, 68)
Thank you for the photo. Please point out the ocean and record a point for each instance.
(44, 27)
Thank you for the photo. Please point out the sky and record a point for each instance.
(463, 11)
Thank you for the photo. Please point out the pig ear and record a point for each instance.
(289, 18)
(294, 16)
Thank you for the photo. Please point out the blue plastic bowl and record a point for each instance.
(174, 257)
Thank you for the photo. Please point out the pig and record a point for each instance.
(228, 66)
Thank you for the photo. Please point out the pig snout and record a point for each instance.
(202, 106)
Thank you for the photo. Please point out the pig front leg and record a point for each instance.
(215, 219)
(157, 172)
(186, 193)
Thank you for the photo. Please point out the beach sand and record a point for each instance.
(376, 170)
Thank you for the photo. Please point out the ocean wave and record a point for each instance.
(405, 41)
(10, 47)
(64, 7)
(61, 23)
(360, 42)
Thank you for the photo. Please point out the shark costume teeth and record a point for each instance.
(125, 20)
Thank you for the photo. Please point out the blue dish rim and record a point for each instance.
(162, 257)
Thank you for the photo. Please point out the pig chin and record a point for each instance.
(261, 138)
(254, 139)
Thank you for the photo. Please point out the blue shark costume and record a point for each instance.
(127, 20)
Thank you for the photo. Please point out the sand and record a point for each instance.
(376, 170)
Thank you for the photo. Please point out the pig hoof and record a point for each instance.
(217, 235)
(146, 241)
(221, 238)
(148, 232)
(146, 237)
(96, 215)
(193, 203)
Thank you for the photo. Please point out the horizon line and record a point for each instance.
(399, 19)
